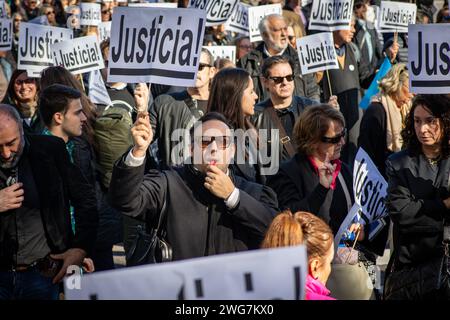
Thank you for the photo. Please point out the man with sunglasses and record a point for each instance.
(209, 210)
(273, 30)
(281, 110)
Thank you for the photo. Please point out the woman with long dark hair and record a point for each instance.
(418, 202)
(232, 95)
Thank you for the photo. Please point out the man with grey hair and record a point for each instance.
(37, 182)
(273, 30)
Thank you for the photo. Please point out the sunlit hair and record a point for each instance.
(313, 124)
(436, 104)
(288, 229)
(391, 84)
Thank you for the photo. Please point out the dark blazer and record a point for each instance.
(198, 223)
(305, 85)
(414, 202)
(59, 181)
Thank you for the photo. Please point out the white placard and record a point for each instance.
(429, 58)
(218, 11)
(236, 276)
(255, 15)
(154, 4)
(396, 16)
(239, 276)
(35, 41)
(369, 188)
(5, 34)
(3, 12)
(97, 89)
(330, 15)
(317, 53)
(79, 55)
(165, 49)
(90, 14)
(228, 52)
(238, 21)
(104, 30)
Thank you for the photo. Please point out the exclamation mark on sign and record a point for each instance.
(200, 29)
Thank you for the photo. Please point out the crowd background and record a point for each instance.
(320, 132)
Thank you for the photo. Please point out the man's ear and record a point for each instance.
(212, 72)
(58, 118)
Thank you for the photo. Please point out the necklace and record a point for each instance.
(433, 161)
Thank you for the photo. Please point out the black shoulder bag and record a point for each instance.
(149, 245)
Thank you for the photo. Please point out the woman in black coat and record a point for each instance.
(418, 201)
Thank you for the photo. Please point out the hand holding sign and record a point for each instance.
(326, 171)
(142, 134)
(392, 51)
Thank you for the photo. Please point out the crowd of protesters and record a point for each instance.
(268, 162)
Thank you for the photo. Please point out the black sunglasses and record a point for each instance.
(336, 139)
(278, 80)
(202, 66)
(291, 38)
(222, 142)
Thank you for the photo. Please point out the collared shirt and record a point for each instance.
(266, 52)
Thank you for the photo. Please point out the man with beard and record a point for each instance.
(273, 30)
(37, 182)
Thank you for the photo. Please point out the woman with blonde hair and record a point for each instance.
(288, 229)
(380, 133)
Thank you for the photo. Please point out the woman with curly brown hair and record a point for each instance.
(418, 202)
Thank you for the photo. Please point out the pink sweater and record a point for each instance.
(315, 290)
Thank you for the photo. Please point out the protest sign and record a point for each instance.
(5, 34)
(218, 11)
(79, 55)
(154, 4)
(237, 276)
(228, 52)
(3, 12)
(369, 188)
(396, 16)
(330, 15)
(255, 15)
(429, 58)
(97, 90)
(35, 43)
(156, 45)
(104, 30)
(317, 53)
(90, 14)
(238, 21)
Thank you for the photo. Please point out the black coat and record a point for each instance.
(305, 85)
(298, 189)
(57, 182)
(198, 224)
(372, 135)
(414, 203)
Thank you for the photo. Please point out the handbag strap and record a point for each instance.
(284, 138)
(160, 228)
(346, 192)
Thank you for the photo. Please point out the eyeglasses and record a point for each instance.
(202, 66)
(336, 139)
(278, 80)
(222, 142)
(49, 13)
(248, 46)
(106, 11)
(291, 38)
(19, 82)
